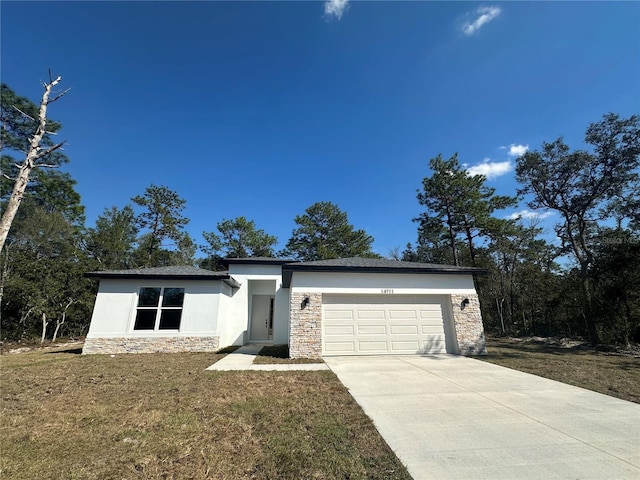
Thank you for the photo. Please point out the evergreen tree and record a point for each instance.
(323, 233)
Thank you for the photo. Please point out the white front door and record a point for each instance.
(261, 318)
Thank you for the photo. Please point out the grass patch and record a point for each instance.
(143, 416)
(280, 354)
(604, 372)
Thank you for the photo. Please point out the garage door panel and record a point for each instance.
(405, 347)
(403, 329)
(399, 314)
(372, 346)
(339, 330)
(397, 324)
(430, 307)
(366, 314)
(431, 330)
(339, 314)
(434, 339)
(340, 347)
(372, 329)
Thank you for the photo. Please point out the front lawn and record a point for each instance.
(610, 373)
(68, 416)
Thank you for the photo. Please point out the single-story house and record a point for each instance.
(350, 306)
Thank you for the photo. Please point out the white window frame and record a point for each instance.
(159, 308)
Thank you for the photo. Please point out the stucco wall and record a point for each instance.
(111, 329)
(115, 308)
(230, 327)
(373, 283)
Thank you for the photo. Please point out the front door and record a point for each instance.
(261, 318)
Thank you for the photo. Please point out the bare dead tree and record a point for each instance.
(36, 157)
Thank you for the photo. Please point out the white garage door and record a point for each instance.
(374, 324)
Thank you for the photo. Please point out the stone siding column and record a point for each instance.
(305, 334)
(467, 322)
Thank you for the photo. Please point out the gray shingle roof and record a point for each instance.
(372, 265)
(255, 261)
(377, 263)
(182, 271)
(355, 264)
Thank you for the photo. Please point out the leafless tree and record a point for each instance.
(35, 157)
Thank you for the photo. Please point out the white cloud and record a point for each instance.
(335, 7)
(483, 15)
(517, 150)
(490, 169)
(529, 215)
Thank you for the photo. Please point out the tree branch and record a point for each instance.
(46, 152)
(24, 114)
(59, 96)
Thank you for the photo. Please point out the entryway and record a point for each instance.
(261, 318)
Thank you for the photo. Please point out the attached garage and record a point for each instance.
(383, 324)
(372, 306)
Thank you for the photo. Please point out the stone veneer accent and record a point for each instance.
(468, 325)
(305, 333)
(150, 345)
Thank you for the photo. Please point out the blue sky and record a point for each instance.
(260, 109)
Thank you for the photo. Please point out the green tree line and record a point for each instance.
(582, 282)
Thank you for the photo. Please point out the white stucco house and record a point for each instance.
(352, 306)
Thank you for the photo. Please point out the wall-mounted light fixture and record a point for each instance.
(305, 302)
(464, 303)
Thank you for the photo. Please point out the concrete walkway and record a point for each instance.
(450, 417)
(242, 359)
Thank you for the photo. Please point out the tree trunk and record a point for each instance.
(588, 314)
(30, 162)
(3, 278)
(454, 250)
(23, 321)
(44, 327)
(499, 307)
(628, 319)
(55, 330)
(472, 250)
(60, 321)
(452, 237)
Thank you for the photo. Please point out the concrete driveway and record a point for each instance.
(460, 418)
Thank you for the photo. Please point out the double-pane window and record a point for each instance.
(159, 308)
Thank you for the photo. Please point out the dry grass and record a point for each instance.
(609, 373)
(68, 416)
(280, 354)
